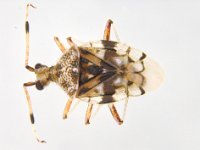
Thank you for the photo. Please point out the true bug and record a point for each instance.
(100, 72)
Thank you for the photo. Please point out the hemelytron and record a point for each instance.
(97, 72)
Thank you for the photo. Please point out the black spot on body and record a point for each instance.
(27, 27)
(94, 70)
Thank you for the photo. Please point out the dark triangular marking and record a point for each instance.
(93, 82)
(91, 66)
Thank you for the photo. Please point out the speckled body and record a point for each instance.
(104, 72)
(66, 72)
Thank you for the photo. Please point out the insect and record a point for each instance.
(97, 72)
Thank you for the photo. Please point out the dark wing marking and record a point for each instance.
(113, 53)
(143, 73)
(135, 90)
(89, 54)
(86, 87)
(119, 95)
(88, 70)
(108, 86)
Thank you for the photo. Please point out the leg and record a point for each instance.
(75, 105)
(115, 114)
(31, 111)
(59, 44)
(106, 35)
(125, 108)
(88, 113)
(126, 100)
(97, 110)
(70, 42)
(67, 108)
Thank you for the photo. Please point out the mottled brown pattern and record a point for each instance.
(101, 80)
(67, 71)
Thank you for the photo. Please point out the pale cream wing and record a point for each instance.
(144, 72)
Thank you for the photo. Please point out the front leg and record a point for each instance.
(60, 45)
(67, 108)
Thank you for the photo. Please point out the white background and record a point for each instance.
(167, 119)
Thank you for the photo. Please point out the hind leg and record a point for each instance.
(115, 114)
(88, 113)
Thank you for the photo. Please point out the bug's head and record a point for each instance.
(42, 75)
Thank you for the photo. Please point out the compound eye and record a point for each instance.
(39, 86)
(38, 65)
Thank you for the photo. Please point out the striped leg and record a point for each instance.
(115, 114)
(88, 113)
(31, 111)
